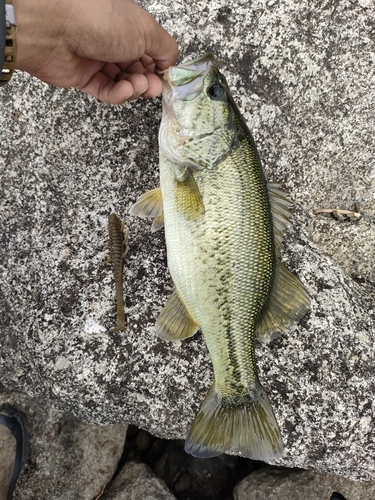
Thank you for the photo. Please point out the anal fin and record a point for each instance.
(174, 322)
(288, 303)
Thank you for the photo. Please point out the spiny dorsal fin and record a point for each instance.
(288, 303)
(150, 204)
(280, 212)
(188, 198)
(174, 322)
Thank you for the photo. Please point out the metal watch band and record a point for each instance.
(10, 52)
(2, 27)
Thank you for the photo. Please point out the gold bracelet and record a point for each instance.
(10, 43)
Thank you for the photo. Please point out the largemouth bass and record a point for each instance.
(224, 228)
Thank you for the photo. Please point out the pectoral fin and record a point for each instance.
(188, 199)
(150, 204)
(288, 303)
(158, 223)
(174, 322)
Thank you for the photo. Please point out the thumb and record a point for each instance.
(158, 43)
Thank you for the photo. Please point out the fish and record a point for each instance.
(118, 251)
(224, 228)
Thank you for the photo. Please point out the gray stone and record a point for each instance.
(304, 79)
(288, 484)
(137, 481)
(69, 459)
(7, 459)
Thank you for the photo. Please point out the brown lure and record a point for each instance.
(118, 250)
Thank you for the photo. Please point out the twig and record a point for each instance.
(339, 214)
(101, 493)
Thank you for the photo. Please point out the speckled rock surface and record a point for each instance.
(304, 78)
(136, 480)
(287, 484)
(68, 460)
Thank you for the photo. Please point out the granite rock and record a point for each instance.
(69, 459)
(288, 484)
(303, 76)
(134, 481)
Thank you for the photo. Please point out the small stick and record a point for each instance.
(101, 493)
(336, 210)
(356, 214)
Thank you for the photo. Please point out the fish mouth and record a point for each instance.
(185, 81)
(198, 64)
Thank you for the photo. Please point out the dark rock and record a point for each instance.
(137, 481)
(188, 477)
(143, 440)
(292, 484)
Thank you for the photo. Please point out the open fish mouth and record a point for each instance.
(199, 64)
(186, 80)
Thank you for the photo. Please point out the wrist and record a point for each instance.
(8, 41)
(40, 26)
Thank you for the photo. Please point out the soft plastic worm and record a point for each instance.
(118, 250)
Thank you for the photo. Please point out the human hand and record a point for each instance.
(107, 48)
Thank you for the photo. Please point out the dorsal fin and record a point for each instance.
(288, 303)
(280, 212)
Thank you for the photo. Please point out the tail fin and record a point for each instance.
(244, 424)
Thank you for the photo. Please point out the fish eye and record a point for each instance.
(216, 91)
